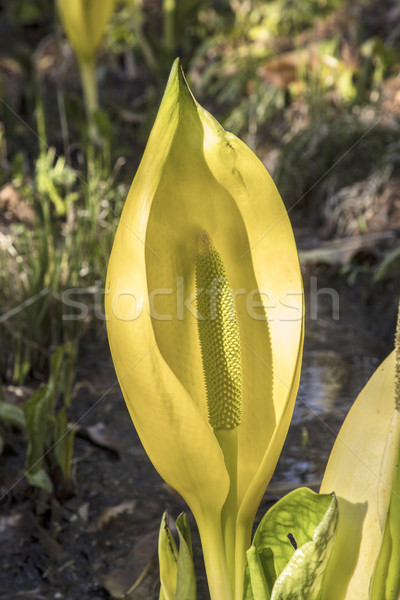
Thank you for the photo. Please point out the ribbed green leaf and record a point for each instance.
(293, 543)
(257, 586)
(168, 560)
(186, 581)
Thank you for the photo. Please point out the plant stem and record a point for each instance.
(87, 68)
(212, 543)
(228, 441)
(169, 7)
(242, 543)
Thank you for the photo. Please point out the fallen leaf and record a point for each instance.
(134, 579)
(100, 435)
(112, 512)
(83, 512)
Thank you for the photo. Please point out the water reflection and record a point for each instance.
(324, 376)
(340, 356)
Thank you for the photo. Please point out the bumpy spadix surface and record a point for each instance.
(219, 338)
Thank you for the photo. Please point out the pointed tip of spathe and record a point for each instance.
(175, 69)
(176, 75)
(177, 80)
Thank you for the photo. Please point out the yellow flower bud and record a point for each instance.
(85, 22)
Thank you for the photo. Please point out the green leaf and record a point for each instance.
(63, 443)
(303, 520)
(40, 479)
(14, 415)
(56, 363)
(177, 575)
(168, 560)
(184, 531)
(186, 580)
(257, 586)
(40, 423)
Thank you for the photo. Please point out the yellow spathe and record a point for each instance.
(196, 177)
(85, 22)
(361, 472)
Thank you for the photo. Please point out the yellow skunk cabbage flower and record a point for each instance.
(361, 471)
(85, 22)
(204, 308)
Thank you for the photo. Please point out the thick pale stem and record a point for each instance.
(214, 557)
(243, 542)
(228, 441)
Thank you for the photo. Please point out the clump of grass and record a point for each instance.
(65, 248)
(43, 261)
(52, 265)
(50, 437)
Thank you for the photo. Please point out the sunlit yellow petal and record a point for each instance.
(196, 178)
(360, 471)
(157, 359)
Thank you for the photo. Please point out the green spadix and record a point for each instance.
(219, 338)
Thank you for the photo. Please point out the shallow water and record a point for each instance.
(342, 350)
